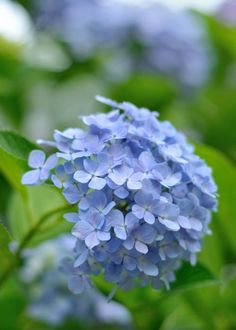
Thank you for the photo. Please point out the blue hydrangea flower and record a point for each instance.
(172, 43)
(41, 168)
(144, 198)
(48, 293)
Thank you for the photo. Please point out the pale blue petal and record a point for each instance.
(97, 183)
(149, 217)
(81, 259)
(92, 240)
(82, 229)
(72, 217)
(121, 192)
(141, 247)
(103, 236)
(171, 225)
(82, 176)
(36, 158)
(147, 267)
(51, 162)
(31, 177)
(120, 232)
(138, 211)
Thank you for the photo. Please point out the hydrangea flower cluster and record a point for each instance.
(50, 299)
(144, 198)
(169, 42)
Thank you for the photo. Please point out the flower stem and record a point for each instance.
(28, 237)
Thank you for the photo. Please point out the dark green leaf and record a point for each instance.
(225, 175)
(14, 151)
(5, 254)
(15, 145)
(192, 276)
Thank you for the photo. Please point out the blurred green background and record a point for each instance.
(55, 56)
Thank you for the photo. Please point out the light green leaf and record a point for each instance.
(41, 200)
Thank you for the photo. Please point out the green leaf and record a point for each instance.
(15, 145)
(14, 151)
(12, 304)
(5, 254)
(145, 90)
(224, 173)
(192, 276)
(41, 200)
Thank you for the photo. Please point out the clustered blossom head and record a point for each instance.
(169, 42)
(144, 198)
(50, 300)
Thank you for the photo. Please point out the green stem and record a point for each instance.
(25, 198)
(26, 240)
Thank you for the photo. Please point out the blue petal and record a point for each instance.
(141, 247)
(92, 240)
(82, 176)
(36, 158)
(82, 229)
(149, 217)
(31, 177)
(51, 162)
(97, 183)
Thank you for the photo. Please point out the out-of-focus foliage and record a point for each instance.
(45, 84)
